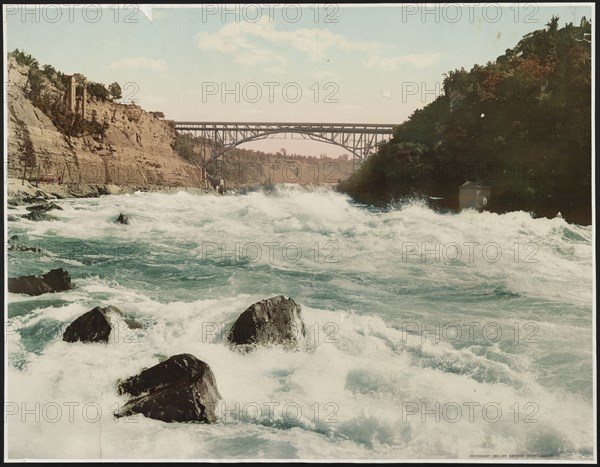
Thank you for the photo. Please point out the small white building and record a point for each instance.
(474, 195)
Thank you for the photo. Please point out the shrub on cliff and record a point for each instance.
(184, 146)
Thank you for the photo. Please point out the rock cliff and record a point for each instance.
(134, 150)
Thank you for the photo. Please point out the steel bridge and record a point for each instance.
(360, 139)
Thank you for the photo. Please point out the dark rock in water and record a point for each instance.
(56, 280)
(274, 321)
(33, 199)
(37, 216)
(14, 246)
(43, 195)
(44, 207)
(180, 389)
(96, 325)
(30, 285)
(17, 247)
(122, 219)
(13, 218)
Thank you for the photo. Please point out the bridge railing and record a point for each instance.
(369, 128)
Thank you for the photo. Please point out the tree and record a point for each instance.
(24, 59)
(35, 80)
(49, 71)
(27, 156)
(98, 90)
(553, 25)
(115, 91)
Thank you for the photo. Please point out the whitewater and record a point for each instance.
(429, 335)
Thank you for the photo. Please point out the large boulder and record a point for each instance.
(57, 280)
(274, 321)
(96, 325)
(180, 389)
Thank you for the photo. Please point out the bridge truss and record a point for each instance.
(357, 138)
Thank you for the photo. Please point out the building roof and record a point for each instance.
(469, 184)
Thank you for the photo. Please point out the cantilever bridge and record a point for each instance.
(358, 138)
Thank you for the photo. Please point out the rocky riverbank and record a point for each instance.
(23, 192)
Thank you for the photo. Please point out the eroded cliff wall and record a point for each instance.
(135, 149)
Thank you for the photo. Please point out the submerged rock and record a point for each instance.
(180, 389)
(122, 219)
(23, 248)
(57, 280)
(96, 325)
(274, 321)
(37, 216)
(33, 199)
(44, 207)
(14, 246)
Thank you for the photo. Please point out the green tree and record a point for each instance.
(98, 91)
(115, 91)
(24, 59)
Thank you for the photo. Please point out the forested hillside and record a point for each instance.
(521, 124)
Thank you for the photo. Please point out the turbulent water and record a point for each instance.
(428, 335)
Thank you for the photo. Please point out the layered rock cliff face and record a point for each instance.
(135, 150)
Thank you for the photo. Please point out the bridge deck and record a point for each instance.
(385, 128)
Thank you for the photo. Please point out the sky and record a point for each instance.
(277, 63)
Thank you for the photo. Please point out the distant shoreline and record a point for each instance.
(17, 191)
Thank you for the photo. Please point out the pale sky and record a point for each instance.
(288, 63)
